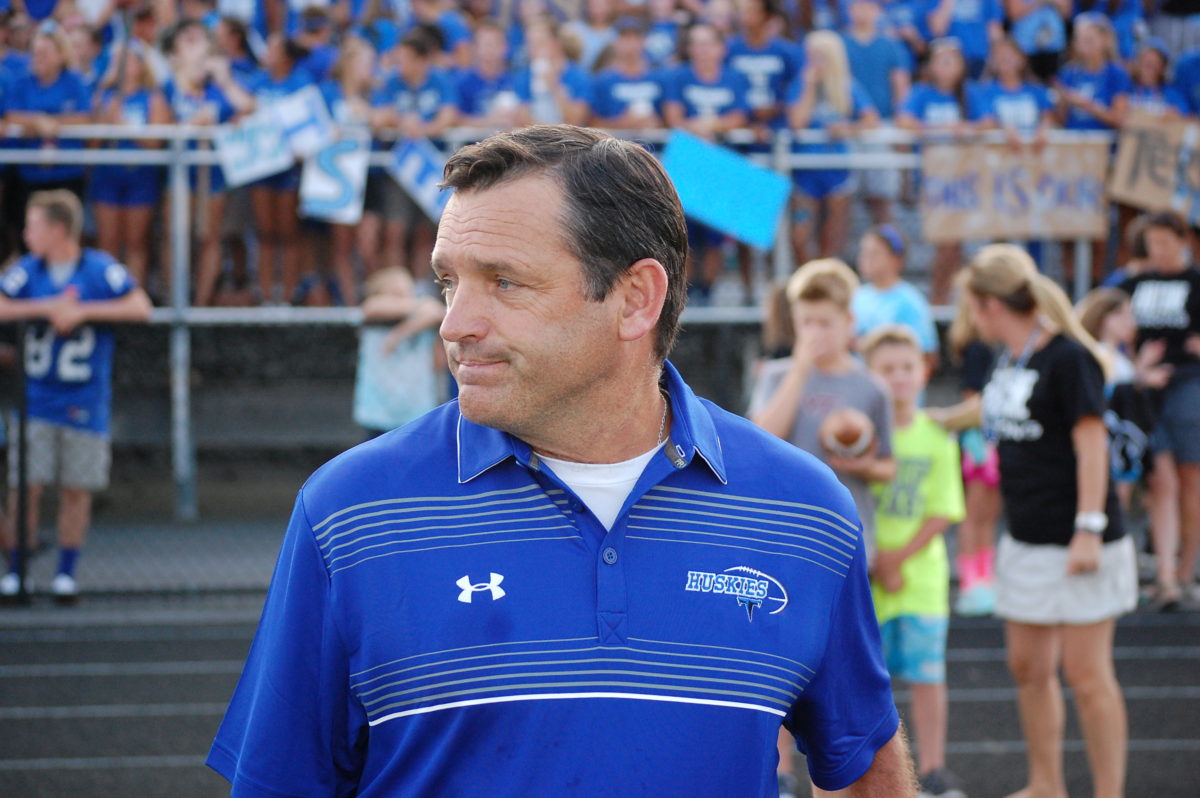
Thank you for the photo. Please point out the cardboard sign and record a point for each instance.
(417, 166)
(980, 192)
(303, 116)
(252, 149)
(334, 181)
(1158, 165)
(725, 191)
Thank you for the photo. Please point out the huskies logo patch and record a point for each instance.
(753, 589)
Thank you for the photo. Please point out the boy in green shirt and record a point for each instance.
(910, 580)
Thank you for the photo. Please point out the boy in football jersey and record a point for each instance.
(65, 292)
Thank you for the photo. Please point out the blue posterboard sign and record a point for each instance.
(252, 149)
(725, 191)
(417, 166)
(304, 119)
(334, 181)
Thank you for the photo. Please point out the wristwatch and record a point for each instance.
(1093, 522)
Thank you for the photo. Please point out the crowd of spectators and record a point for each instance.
(416, 69)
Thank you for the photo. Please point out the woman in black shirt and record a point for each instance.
(1066, 571)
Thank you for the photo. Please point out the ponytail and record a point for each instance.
(1053, 303)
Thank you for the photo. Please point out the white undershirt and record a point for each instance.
(603, 487)
(61, 271)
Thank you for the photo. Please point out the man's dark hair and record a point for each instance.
(619, 204)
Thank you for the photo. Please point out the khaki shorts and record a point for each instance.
(62, 455)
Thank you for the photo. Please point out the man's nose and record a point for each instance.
(466, 315)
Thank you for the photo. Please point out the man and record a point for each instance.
(68, 369)
(533, 590)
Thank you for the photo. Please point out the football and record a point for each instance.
(847, 432)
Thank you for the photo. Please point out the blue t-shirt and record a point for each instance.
(186, 105)
(900, 304)
(1156, 100)
(1017, 109)
(425, 101)
(969, 24)
(933, 107)
(448, 618)
(67, 94)
(769, 71)
(728, 93)
(319, 62)
(613, 92)
(267, 89)
(477, 94)
(872, 64)
(69, 380)
(1042, 30)
(1187, 80)
(573, 78)
(135, 111)
(662, 42)
(1103, 86)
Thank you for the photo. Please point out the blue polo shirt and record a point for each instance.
(447, 618)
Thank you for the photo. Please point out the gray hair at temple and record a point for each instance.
(619, 206)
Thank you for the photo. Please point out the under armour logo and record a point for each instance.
(469, 589)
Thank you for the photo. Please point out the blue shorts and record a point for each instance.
(284, 181)
(216, 179)
(1178, 427)
(914, 648)
(822, 183)
(128, 186)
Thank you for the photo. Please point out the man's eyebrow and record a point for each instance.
(438, 264)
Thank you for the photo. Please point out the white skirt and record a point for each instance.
(1032, 585)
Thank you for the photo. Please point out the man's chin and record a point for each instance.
(481, 405)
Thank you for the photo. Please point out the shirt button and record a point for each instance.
(610, 555)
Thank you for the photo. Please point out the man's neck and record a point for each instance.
(862, 33)
(837, 363)
(886, 281)
(66, 252)
(612, 428)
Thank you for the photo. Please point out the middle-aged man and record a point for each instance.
(578, 578)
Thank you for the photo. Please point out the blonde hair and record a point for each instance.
(890, 335)
(823, 280)
(1007, 273)
(66, 50)
(835, 82)
(61, 207)
(381, 281)
(962, 329)
(352, 47)
(1099, 303)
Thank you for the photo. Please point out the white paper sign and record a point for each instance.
(334, 181)
(305, 122)
(252, 149)
(417, 166)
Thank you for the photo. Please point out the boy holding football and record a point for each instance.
(911, 575)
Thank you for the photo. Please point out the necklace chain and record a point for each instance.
(662, 425)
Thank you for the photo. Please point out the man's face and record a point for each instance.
(1164, 248)
(902, 368)
(40, 233)
(522, 339)
(825, 325)
(876, 261)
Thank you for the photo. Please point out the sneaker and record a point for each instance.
(9, 585)
(788, 786)
(940, 784)
(64, 589)
(978, 600)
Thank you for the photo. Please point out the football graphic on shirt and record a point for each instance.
(847, 432)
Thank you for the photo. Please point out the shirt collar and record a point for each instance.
(692, 433)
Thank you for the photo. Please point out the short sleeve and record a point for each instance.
(110, 280)
(15, 283)
(448, 90)
(847, 712)
(1081, 385)
(292, 727)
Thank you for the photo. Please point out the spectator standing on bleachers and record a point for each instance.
(418, 102)
(455, 34)
(231, 38)
(662, 38)
(595, 32)
(126, 197)
(552, 88)
(945, 106)
(882, 65)
(315, 35)
(826, 99)
(910, 582)
(628, 94)
(887, 299)
(276, 198)
(1067, 570)
(348, 95)
(1093, 94)
(91, 58)
(707, 99)
(1166, 304)
(43, 99)
(67, 293)
(1012, 100)
(487, 92)
(974, 23)
(1149, 91)
(1039, 30)
(202, 91)
(902, 20)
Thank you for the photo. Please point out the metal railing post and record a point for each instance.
(1083, 268)
(183, 448)
(781, 151)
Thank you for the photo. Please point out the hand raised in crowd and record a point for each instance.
(1149, 370)
(1083, 555)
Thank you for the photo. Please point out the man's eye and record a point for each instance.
(503, 284)
(444, 284)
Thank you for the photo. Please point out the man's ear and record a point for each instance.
(642, 291)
